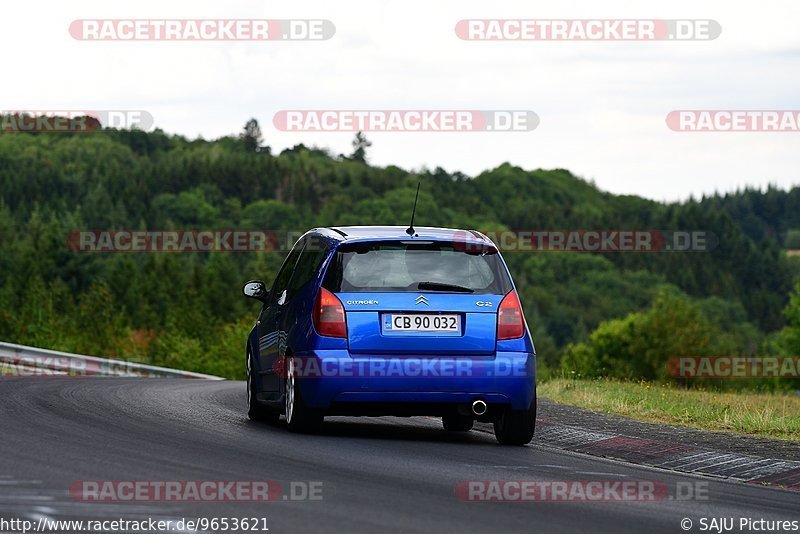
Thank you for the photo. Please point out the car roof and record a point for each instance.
(390, 233)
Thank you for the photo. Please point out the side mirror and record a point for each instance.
(255, 289)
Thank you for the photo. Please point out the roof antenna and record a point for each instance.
(410, 231)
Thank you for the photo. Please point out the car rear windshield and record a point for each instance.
(396, 266)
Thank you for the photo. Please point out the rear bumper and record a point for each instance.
(329, 377)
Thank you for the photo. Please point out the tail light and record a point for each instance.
(329, 315)
(510, 323)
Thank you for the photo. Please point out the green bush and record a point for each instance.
(640, 345)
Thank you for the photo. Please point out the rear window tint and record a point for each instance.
(419, 267)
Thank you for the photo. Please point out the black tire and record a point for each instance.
(516, 427)
(457, 423)
(299, 416)
(255, 410)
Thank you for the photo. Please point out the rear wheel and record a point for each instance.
(299, 416)
(515, 427)
(255, 410)
(457, 423)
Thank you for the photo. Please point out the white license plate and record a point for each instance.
(412, 322)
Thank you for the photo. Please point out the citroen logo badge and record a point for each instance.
(422, 300)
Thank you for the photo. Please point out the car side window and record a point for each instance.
(285, 274)
(310, 260)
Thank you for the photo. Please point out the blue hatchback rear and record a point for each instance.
(373, 321)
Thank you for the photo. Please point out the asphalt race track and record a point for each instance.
(377, 475)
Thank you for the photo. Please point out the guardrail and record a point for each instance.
(21, 360)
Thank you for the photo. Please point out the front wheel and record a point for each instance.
(299, 416)
(515, 427)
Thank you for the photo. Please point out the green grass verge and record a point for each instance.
(756, 414)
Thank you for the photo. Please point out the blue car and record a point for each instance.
(379, 321)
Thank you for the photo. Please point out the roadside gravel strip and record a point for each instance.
(744, 458)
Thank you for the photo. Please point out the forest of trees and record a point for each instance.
(186, 309)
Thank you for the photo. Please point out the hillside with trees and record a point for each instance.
(186, 309)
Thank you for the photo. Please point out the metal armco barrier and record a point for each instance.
(21, 360)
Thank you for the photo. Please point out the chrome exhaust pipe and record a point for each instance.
(479, 407)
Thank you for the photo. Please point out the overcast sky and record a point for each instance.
(602, 105)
